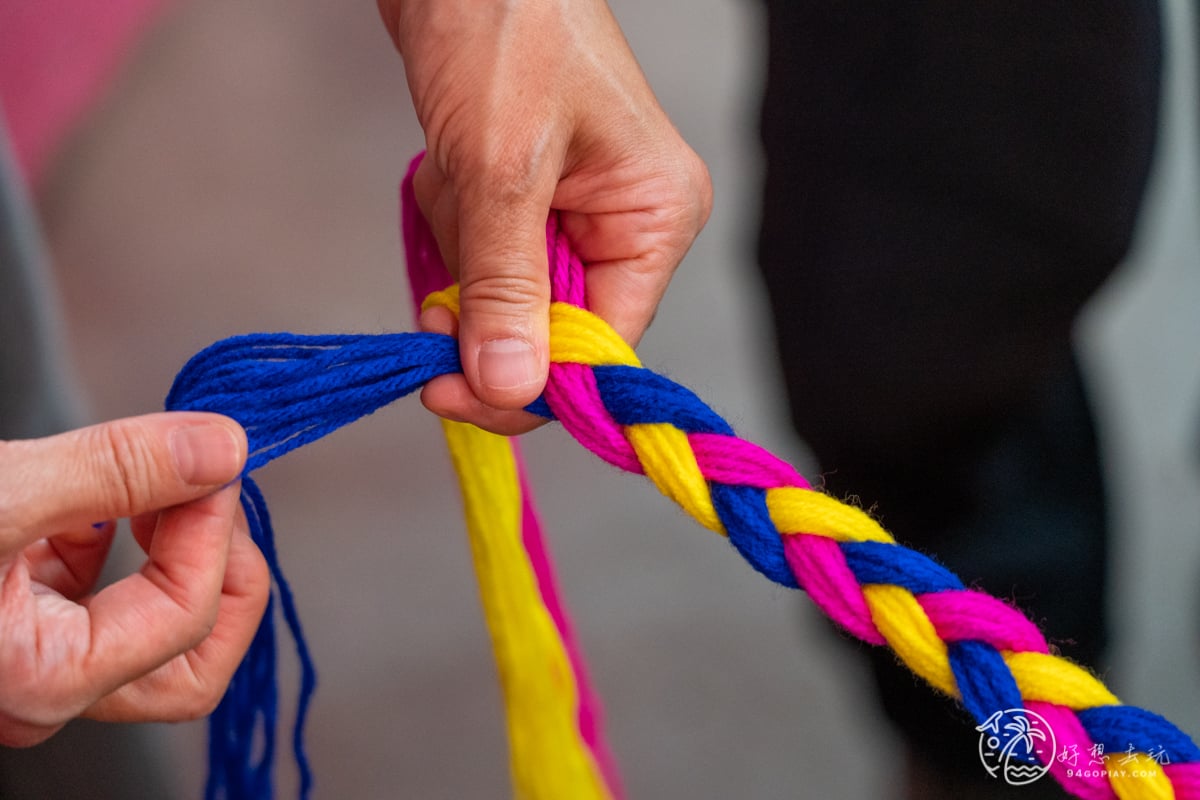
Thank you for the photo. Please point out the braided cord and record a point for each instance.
(966, 644)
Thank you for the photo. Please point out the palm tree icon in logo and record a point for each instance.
(1016, 744)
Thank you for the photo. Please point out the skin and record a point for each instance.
(529, 105)
(158, 645)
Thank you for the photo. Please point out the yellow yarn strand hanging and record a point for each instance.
(548, 757)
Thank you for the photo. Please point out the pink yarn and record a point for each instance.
(739, 462)
(582, 413)
(967, 615)
(820, 566)
(591, 711)
(1071, 738)
(1185, 778)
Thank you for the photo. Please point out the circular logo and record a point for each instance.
(1016, 744)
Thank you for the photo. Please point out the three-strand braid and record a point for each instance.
(288, 390)
(965, 643)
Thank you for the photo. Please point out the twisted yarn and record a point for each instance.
(288, 390)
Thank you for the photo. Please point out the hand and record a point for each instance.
(160, 644)
(530, 105)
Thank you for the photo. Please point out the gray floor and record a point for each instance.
(244, 178)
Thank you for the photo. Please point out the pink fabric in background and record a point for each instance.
(56, 59)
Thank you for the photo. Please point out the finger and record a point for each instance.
(504, 285)
(117, 469)
(171, 604)
(435, 198)
(142, 527)
(626, 297)
(630, 261)
(70, 563)
(389, 11)
(632, 252)
(439, 319)
(451, 398)
(16, 732)
(191, 684)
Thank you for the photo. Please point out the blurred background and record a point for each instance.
(241, 175)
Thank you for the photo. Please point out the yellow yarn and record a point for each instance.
(795, 510)
(578, 336)
(902, 621)
(1053, 679)
(670, 462)
(548, 756)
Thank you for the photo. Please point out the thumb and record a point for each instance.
(117, 469)
(504, 323)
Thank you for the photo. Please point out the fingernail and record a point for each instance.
(206, 455)
(507, 364)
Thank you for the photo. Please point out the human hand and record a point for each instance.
(526, 106)
(160, 644)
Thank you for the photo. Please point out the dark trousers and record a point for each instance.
(947, 183)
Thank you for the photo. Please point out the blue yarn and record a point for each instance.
(635, 396)
(252, 496)
(288, 390)
(743, 512)
(1118, 727)
(541, 408)
(877, 562)
(249, 707)
(983, 679)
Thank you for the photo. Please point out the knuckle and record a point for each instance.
(125, 465)
(509, 175)
(495, 292)
(702, 189)
(505, 169)
(693, 186)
